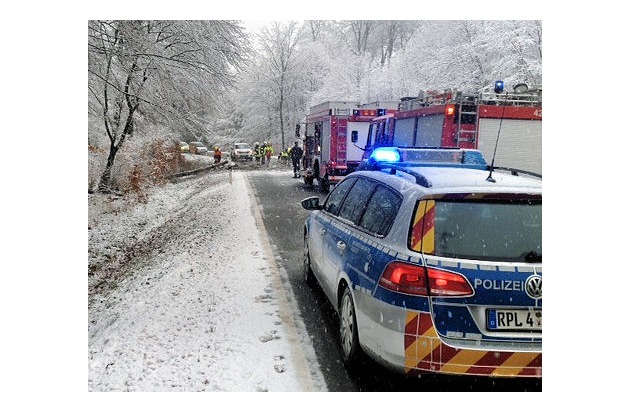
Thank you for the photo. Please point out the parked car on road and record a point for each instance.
(198, 148)
(433, 262)
(184, 147)
(241, 151)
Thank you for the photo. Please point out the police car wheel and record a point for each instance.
(348, 329)
(308, 272)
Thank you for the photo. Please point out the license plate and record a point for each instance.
(514, 319)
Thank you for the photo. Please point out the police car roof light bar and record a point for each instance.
(386, 154)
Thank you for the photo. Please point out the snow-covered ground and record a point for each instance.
(188, 297)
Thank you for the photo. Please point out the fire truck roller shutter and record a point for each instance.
(403, 135)
(430, 130)
(520, 143)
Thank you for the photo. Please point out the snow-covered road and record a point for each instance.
(192, 300)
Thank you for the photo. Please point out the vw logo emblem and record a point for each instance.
(533, 286)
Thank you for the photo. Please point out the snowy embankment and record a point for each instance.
(186, 295)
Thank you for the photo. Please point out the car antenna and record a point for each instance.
(498, 88)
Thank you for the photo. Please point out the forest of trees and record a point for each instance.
(165, 81)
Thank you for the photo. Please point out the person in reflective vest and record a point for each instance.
(268, 153)
(217, 155)
(258, 153)
(284, 156)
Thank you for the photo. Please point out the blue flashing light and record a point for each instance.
(499, 86)
(385, 154)
(473, 157)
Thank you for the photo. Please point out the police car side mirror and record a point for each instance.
(354, 137)
(311, 203)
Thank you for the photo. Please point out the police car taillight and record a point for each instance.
(443, 283)
(411, 279)
(404, 278)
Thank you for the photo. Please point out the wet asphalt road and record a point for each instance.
(278, 195)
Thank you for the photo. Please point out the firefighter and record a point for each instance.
(284, 156)
(268, 153)
(296, 155)
(262, 153)
(258, 152)
(217, 155)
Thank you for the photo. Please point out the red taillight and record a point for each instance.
(404, 278)
(407, 278)
(450, 109)
(443, 283)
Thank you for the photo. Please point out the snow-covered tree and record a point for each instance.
(464, 55)
(281, 76)
(168, 71)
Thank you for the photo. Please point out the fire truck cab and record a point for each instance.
(335, 136)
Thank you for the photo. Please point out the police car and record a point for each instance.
(433, 262)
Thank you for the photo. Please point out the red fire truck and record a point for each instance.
(335, 136)
(469, 120)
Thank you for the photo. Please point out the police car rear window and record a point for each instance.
(506, 230)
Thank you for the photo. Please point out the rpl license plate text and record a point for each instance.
(499, 319)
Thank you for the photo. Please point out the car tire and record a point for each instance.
(348, 333)
(306, 262)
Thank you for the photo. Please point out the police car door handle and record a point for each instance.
(341, 245)
(322, 231)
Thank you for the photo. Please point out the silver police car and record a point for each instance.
(433, 261)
